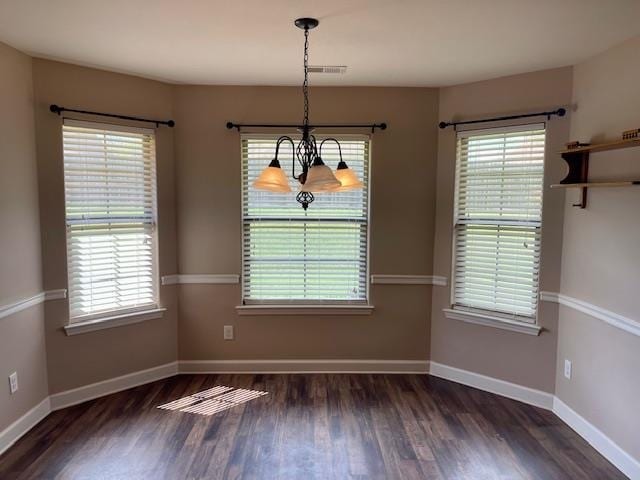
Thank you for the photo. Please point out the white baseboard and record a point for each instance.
(26, 422)
(303, 366)
(598, 440)
(514, 391)
(113, 385)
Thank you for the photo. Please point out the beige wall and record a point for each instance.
(514, 357)
(209, 226)
(601, 258)
(412, 170)
(22, 343)
(82, 359)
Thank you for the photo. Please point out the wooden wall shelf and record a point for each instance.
(578, 161)
(603, 147)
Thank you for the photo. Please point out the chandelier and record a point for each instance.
(315, 176)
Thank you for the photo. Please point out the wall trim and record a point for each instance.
(113, 321)
(21, 304)
(303, 366)
(201, 279)
(292, 309)
(57, 294)
(383, 279)
(27, 302)
(528, 395)
(112, 385)
(22, 425)
(597, 439)
(494, 321)
(607, 316)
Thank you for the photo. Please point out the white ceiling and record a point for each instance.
(254, 42)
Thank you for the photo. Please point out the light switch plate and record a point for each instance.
(567, 369)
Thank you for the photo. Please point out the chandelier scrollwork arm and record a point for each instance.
(331, 139)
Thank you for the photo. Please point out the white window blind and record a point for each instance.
(498, 216)
(110, 194)
(295, 256)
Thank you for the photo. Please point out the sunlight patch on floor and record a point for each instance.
(213, 400)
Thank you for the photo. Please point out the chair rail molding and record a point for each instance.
(384, 279)
(615, 320)
(201, 279)
(27, 302)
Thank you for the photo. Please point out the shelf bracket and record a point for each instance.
(578, 163)
(583, 198)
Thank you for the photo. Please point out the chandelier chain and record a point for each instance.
(305, 84)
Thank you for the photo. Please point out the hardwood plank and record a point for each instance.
(315, 426)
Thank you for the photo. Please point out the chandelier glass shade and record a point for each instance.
(315, 176)
(347, 178)
(273, 179)
(320, 178)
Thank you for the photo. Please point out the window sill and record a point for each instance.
(492, 321)
(276, 310)
(113, 321)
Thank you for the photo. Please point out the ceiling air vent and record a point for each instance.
(339, 69)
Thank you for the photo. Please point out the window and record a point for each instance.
(306, 257)
(498, 216)
(110, 194)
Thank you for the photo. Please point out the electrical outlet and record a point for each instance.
(13, 382)
(567, 369)
(228, 332)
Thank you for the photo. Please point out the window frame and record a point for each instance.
(318, 306)
(119, 316)
(477, 315)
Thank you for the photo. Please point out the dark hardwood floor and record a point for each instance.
(307, 427)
